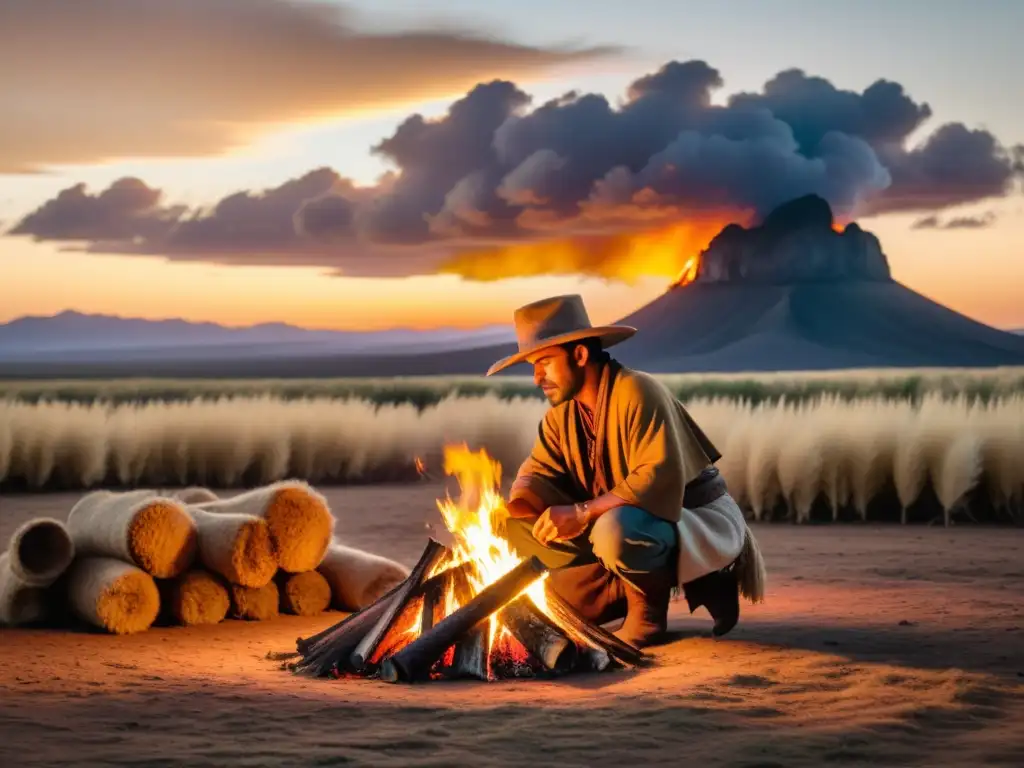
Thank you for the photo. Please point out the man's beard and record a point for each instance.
(558, 396)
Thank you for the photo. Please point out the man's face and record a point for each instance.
(558, 373)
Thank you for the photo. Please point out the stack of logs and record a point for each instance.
(406, 636)
(126, 560)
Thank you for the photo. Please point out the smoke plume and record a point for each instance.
(499, 186)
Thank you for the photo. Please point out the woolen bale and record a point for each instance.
(304, 594)
(300, 520)
(195, 597)
(20, 603)
(153, 532)
(236, 546)
(255, 604)
(112, 595)
(358, 578)
(40, 551)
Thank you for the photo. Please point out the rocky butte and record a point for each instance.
(793, 293)
(796, 243)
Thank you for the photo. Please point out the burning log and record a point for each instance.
(415, 660)
(432, 554)
(591, 635)
(471, 655)
(345, 643)
(539, 635)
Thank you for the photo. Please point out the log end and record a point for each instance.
(197, 597)
(253, 557)
(40, 551)
(112, 595)
(304, 594)
(162, 539)
(301, 525)
(255, 603)
(389, 672)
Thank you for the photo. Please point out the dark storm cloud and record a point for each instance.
(982, 221)
(495, 169)
(128, 210)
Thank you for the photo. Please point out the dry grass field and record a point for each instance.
(950, 448)
(890, 383)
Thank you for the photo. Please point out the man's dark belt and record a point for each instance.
(707, 487)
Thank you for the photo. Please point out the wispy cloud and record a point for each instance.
(96, 80)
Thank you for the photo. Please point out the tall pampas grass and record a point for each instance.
(865, 459)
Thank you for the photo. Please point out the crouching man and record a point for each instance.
(620, 496)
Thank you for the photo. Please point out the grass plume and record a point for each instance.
(814, 460)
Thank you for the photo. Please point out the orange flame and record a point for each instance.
(688, 273)
(659, 252)
(421, 468)
(472, 520)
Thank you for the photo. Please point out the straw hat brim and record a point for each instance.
(608, 334)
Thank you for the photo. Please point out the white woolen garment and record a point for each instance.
(710, 538)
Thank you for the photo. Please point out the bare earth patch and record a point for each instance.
(885, 645)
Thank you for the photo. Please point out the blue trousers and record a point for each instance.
(625, 540)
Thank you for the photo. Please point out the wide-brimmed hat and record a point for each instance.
(553, 321)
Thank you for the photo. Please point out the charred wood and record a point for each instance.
(591, 635)
(362, 653)
(539, 635)
(415, 660)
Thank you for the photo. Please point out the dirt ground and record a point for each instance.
(883, 645)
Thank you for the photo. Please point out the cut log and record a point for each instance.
(415, 660)
(471, 654)
(403, 630)
(593, 660)
(431, 556)
(303, 594)
(324, 652)
(539, 635)
(433, 602)
(591, 635)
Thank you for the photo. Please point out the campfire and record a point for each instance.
(471, 609)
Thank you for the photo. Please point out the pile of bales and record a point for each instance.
(126, 560)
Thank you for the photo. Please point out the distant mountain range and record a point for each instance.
(77, 337)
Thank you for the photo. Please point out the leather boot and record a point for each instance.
(597, 593)
(647, 598)
(719, 592)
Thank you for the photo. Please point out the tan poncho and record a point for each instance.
(647, 449)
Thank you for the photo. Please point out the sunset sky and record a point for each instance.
(215, 159)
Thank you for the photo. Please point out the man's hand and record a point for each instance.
(560, 523)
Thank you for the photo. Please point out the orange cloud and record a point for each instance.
(98, 80)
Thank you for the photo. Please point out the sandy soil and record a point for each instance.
(884, 645)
